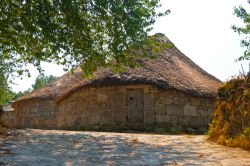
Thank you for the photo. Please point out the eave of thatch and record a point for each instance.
(171, 69)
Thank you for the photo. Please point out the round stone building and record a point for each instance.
(169, 91)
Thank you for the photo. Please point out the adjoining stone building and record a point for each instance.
(169, 91)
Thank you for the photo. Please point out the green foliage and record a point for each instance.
(231, 118)
(5, 92)
(43, 80)
(85, 33)
(245, 30)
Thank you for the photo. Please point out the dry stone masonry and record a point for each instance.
(130, 106)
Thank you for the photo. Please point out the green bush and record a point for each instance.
(231, 117)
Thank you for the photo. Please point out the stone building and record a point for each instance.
(169, 91)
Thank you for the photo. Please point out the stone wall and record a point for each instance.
(182, 111)
(7, 118)
(93, 106)
(108, 106)
(36, 114)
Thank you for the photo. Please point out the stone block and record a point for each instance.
(106, 117)
(195, 101)
(174, 110)
(168, 100)
(202, 112)
(158, 100)
(94, 118)
(183, 121)
(149, 109)
(117, 116)
(160, 108)
(174, 119)
(206, 102)
(178, 101)
(190, 110)
(162, 118)
(196, 122)
(102, 97)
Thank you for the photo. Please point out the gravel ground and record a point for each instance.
(53, 147)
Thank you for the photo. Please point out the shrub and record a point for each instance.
(231, 117)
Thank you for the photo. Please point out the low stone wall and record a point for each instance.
(7, 118)
(112, 107)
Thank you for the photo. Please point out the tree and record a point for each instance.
(245, 30)
(5, 93)
(85, 33)
(43, 80)
(4, 89)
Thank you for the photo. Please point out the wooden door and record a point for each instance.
(134, 106)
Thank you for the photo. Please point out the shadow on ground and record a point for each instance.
(40, 147)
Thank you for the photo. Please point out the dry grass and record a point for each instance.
(231, 123)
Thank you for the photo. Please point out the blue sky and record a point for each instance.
(199, 28)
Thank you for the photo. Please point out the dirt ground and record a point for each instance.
(53, 147)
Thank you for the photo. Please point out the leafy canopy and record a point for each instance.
(85, 33)
(5, 92)
(245, 30)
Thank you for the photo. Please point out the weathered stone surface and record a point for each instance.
(165, 98)
(196, 122)
(8, 118)
(107, 117)
(149, 109)
(108, 105)
(195, 101)
(168, 100)
(162, 118)
(202, 113)
(184, 121)
(102, 97)
(174, 110)
(174, 119)
(179, 101)
(206, 102)
(190, 110)
(160, 108)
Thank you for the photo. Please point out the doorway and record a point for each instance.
(134, 106)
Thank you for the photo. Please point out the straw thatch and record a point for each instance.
(171, 69)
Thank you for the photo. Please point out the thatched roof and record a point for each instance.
(171, 69)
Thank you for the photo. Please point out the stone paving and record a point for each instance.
(53, 147)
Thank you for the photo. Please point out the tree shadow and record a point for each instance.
(84, 148)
